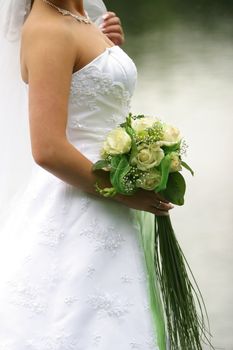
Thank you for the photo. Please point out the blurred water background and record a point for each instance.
(184, 54)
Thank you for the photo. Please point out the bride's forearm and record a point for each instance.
(63, 160)
(67, 163)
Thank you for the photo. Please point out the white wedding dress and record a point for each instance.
(72, 267)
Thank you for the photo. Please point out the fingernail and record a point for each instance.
(105, 16)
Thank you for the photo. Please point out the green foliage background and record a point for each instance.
(138, 16)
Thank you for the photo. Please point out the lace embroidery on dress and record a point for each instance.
(104, 237)
(52, 276)
(28, 295)
(142, 277)
(116, 119)
(126, 279)
(96, 340)
(85, 203)
(61, 340)
(92, 83)
(70, 300)
(90, 271)
(33, 296)
(51, 234)
(150, 344)
(107, 304)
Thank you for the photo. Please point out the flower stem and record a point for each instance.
(182, 299)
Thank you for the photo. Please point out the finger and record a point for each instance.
(158, 212)
(112, 29)
(162, 206)
(156, 197)
(116, 38)
(111, 21)
(108, 15)
(161, 198)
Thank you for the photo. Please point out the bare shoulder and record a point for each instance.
(47, 30)
(47, 42)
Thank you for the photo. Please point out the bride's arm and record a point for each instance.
(49, 55)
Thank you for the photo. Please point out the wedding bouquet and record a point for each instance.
(146, 153)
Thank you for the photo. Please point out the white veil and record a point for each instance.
(95, 9)
(16, 161)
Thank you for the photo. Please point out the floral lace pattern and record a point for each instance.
(51, 234)
(107, 304)
(27, 295)
(90, 271)
(103, 237)
(61, 340)
(30, 293)
(91, 84)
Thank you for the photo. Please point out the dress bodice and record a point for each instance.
(100, 97)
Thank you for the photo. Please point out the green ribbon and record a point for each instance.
(145, 223)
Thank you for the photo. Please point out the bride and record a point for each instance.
(73, 265)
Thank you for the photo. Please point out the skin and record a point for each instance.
(52, 48)
(111, 26)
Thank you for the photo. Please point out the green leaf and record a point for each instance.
(175, 190)
(139, 116)
(100, 165)
(186, 166)
(173, 148)
(165, 168)
(120, 168)
(132, 135)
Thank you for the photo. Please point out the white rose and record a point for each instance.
(149, 180)
(141, 124)
(117, 142)
(171, 136)
(148, 156)
(176, 162)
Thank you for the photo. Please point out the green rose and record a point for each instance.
(149, 180)
(175, 163)
(148, 156)
(117, 142)
(171, 136)
(141, 124)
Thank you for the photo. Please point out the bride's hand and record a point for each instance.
(146, 201)
(112, 27)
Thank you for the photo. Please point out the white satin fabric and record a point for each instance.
(73, 272)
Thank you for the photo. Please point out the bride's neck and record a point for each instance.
(74, 6)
